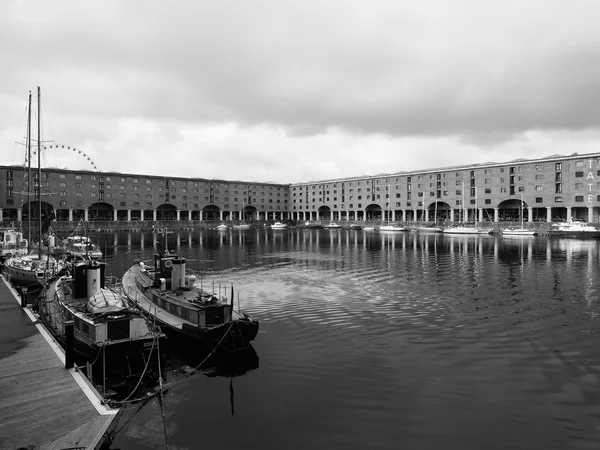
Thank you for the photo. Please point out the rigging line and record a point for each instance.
(47, 115)
(180, 380)
(154, 341)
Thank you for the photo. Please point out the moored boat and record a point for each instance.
(574, 229)
(333, 226)
(11, 242)
(515, 231)
(461, 230)
(391, 228)
(119, 342)
(31, 269)
(278, 226)
(183, 310)
(311, 225)
(82, 247)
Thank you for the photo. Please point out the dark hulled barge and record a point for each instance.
(120, 344)
(184, 311)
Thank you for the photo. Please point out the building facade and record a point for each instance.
(549, 189)
(555, 188)
(89, 195)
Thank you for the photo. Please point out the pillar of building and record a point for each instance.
(590, 214)
(190, 215)
(548, 214)
(569, 214)
(426, 215)
(70, 215)
(220, 215)
(414, 218)
(114, 215)
(480, 214)
(154, 215)
(178, 215)
(85, 215)
(1, 214)
(496, 214)
(530, 214)
(19, 215)
(128, 215)
(451, 214)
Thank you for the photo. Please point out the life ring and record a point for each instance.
(168, 263)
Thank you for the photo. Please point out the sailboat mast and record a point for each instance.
(39, 193)
(29, 175)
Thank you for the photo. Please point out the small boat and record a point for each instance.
(278, 226)
(241, 226)
(333, 226)
(32, 269)
(519, 231)
(11, 242)
(428, 229)
(121, 344)
(516, 231)
(311, 225)
(222, 227)
(82, 247)
(353, 227)
(184, 311)
(462, 230)
(574, 229)
(391, 228)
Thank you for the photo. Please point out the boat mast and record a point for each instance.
(39, 193)
(29, 175)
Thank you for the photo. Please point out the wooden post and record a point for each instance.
(24, 297)
(69, 344)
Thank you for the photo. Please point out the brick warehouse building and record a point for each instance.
(553, 188)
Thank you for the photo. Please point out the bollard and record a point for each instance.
(24, 297)
(69, 344)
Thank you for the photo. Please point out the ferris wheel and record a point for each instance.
(75, 151)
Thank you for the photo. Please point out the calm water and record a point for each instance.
(389, 341)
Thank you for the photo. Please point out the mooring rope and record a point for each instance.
(161, 390)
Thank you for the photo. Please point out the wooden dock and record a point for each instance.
(43, 406)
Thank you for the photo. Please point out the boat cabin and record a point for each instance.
(174, 291)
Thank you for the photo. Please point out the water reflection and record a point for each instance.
(367, 340)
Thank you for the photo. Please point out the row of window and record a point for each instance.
(440, 176)
(578, 199)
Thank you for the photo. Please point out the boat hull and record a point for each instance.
(575, 234)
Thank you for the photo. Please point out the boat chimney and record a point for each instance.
(178, 274)
(93, 279)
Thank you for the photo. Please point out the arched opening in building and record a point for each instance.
(100, 211)
(166, 212)
(373, 212)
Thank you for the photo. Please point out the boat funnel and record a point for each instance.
(93, 279)
(178, 277)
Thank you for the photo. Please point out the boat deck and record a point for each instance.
(135, 293)
(42, 404)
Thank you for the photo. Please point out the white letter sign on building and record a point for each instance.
(590, 197)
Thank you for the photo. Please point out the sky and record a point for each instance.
(288, 91)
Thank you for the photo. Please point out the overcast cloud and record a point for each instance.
(292, 91)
